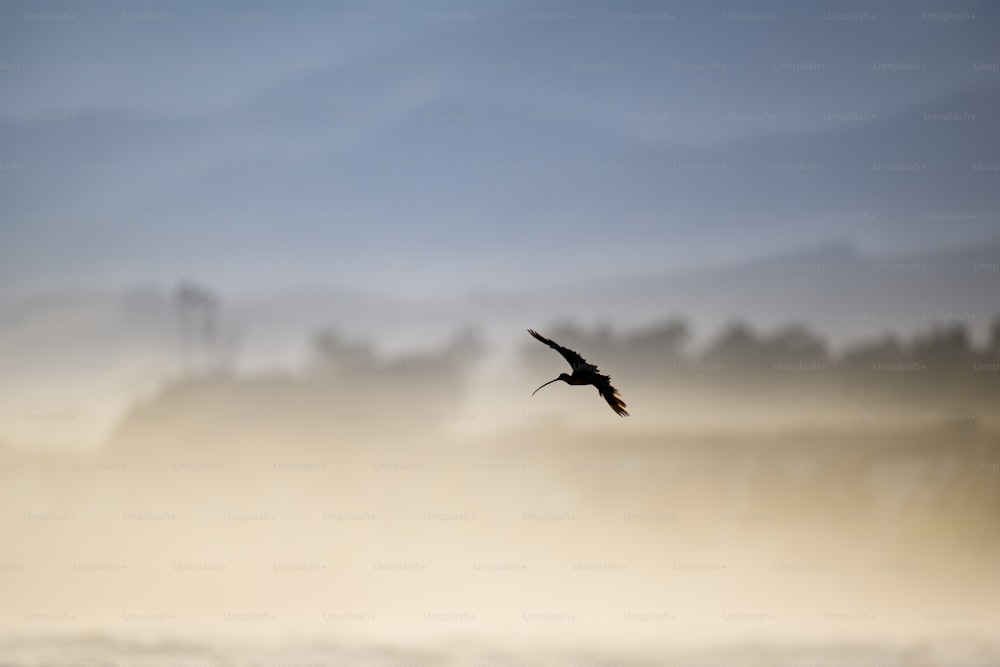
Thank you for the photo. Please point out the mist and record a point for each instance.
(766, 492)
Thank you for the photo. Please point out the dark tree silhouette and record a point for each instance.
(205, 346)
(737, 348)
(935, 363)
(863, 357)
(993, 349)
(334, 353)
(659, 344)
(943, 350)
(796, 344)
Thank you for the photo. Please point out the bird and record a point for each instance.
(584, 373)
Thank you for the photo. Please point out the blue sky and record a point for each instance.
(432, 148)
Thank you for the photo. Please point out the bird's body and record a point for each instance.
(579, 378)
(584, 373)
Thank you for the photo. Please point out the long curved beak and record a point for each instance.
(544, 385)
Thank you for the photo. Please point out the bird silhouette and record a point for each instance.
(583, 373)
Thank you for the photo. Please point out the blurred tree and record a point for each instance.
(993, 346)
(664, 341)
(466, 348)
(737, 348)
(205, 347)
(943, 350)
(864, 357)
(332, 352)
(796, 345)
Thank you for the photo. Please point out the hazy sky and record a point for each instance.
(426, 147)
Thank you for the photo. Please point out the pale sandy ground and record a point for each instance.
(95, 651)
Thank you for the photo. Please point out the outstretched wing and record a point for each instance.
(610, 394)
(574, 359)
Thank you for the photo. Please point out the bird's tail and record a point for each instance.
(610, 395)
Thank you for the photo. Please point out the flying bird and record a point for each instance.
(584, 373)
